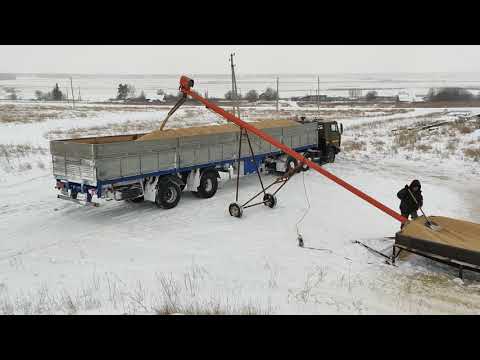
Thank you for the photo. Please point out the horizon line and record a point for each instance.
(244, 73)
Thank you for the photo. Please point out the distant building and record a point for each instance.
(404, 96)
(387, 98)
(355, 93)
(311, 98)
(157, 98)
(326, 98)
(8, 77)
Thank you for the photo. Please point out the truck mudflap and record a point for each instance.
(78, 201)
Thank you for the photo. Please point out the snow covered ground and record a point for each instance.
(58, 257)
(453, 148)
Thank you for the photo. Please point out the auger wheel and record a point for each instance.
(235, 210)
(269, 200)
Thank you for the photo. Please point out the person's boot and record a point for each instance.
(300, 240)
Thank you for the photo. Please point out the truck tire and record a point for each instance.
(308, 156)
(330, 155)
(168, 195)
(137, 200)
(291, 164)
(208, 185)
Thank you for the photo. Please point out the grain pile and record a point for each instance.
(212, 129)
(452, 232)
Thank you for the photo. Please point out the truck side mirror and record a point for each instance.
(341, 128)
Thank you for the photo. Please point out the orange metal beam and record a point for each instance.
(185, 86)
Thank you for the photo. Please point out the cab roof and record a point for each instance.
(320, 120)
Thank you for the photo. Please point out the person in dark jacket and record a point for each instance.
(409, 206)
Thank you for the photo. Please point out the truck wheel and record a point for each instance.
(208, 185)
(269, 200)
(73, 194)
(331, 155)
(308, 156)
(168, 195)
(291, 163)
(235, 210)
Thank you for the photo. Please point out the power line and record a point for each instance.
(73, 94)
(318, 93)
(277, 94)
(235, 107)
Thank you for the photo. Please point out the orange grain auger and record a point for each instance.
(186, 85)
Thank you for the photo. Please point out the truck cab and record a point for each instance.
(329, 137)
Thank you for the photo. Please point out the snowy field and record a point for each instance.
(59, 257)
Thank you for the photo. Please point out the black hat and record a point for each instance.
(415, 183)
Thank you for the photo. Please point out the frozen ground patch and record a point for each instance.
(48, 244)
(57, 257)
(453, 146)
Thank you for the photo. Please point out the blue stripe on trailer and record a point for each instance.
(101, 183)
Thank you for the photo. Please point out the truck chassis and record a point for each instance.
(164, 187)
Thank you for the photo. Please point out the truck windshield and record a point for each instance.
(333, 127)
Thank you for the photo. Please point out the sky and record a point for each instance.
(251, 59)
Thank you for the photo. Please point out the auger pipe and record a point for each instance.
(185, 87)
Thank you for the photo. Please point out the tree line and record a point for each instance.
(439, 94)
(450, 94)
(127, 91)
(55, 95)
(252, 95)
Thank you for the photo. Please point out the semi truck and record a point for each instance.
(158, 167)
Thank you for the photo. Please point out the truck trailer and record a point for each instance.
(158, 166)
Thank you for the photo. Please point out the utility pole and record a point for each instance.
(318, 93)
(234, 98)
(234, 88)
(79, 96)
(278, 95)
(73, 95)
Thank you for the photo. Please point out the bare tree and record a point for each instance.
(130, 91)
(268, 95)
(449, 94)
(251, 96)
(371, 95)
(142, 96)
(229, 95)
(12, 93)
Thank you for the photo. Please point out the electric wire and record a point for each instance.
(308, 207)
